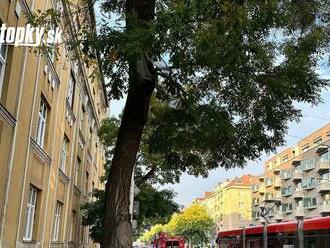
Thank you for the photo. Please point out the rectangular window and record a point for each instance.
(73, 226)
(30, 214)
(308, 183)
(325, 157)
(42, 122)
(309, 202)
(71, 89)
(285, 158)
(286, 174)
(86, 182)
(307, 164)
(286, 191)
(3, 58)
(305, 148)
(64, 149)
(77, 169)
(57, 221)
(287, 207)
(318, 141)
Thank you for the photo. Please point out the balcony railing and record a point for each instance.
(285, 175)
(279, 216)
(277, 183)
(307, 164)
(298, 194)
(299, 212)
(325, 207)
(324, 186)
(297, 175)
(286, 192)
(262, 190)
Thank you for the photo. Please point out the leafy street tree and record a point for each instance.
(227, 75)
(231, 71)
(156, 206)
(149, 235)
(194, 223)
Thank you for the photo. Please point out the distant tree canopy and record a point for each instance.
(194, 223)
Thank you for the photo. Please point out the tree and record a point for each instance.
(149, 235)
(231, 71)
(194, 223)
(227, 72)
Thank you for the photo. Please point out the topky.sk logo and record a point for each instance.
(29, 36)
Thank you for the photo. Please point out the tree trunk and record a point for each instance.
(117, 222)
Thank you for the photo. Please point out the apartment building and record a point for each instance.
(229, 203)
(50, 155)
(298, 178)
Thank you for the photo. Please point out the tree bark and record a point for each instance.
(117, 231)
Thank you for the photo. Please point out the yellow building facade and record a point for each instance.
(50, 155)
(229, 204)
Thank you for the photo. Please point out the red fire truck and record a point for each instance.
(164, 241)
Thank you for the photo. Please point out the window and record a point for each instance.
(325, 157)
(286, 191)
(30, 214)
(3, 57)
(285, 158)
(268, 181)
(64, 149)
(240, 217)
(73, 226)
(86, 182)
(286, 174)
(42, 121)
(287, 207)
(309, 202)
(305, 148)
(77, 169)
(308, 183)
(57, 220)
(71, 88)
(307, 164)
(318, 141)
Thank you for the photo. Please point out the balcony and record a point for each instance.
(323, 166)
(299, 213)
(279, 216)
(285, 192)
(297, 175)
(262, 190)
(277, 183)
(298, 194)
(255, 188)
(323, 187)
(325, 208)
(268, 182)
(278, 197)
(285, 175)
(307, 164)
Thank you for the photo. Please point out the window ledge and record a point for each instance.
(40, 151)
(9, 118)
(64, 177)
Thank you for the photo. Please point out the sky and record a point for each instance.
(314, 117)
